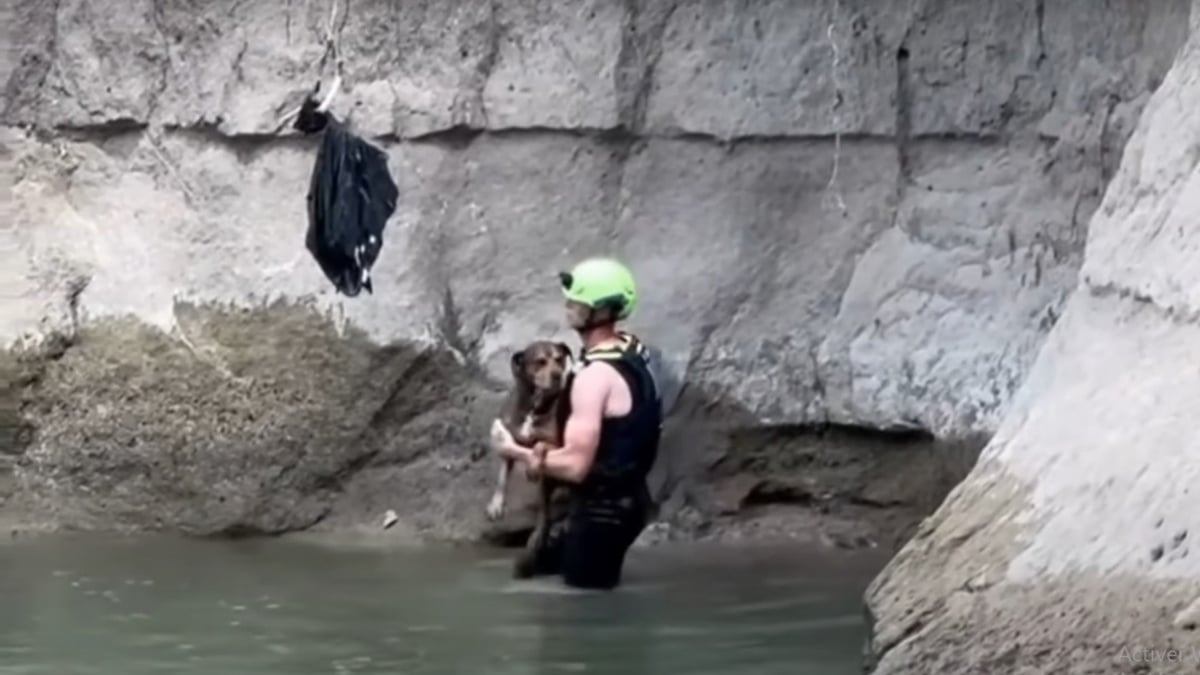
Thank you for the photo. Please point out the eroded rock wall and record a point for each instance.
(1067, 549)
(866, 213)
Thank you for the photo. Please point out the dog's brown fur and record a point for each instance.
(535, 413)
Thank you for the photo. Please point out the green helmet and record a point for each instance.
(601, 282)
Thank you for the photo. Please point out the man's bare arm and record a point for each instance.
(589, 397)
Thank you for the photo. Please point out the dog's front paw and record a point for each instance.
(495, 507)
(499, 435)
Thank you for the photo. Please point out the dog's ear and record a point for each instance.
(518, 363)
(568, 357)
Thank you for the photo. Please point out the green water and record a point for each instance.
(134, 606)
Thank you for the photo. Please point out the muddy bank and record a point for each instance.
(122, 446)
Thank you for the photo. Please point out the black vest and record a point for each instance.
(628, 444)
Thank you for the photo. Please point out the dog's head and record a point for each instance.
(543, 366)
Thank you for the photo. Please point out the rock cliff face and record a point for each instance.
(845, 212)
(1066, 550)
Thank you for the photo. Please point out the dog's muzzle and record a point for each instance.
(541, 400)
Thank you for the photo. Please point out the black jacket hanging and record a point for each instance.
(351, 196)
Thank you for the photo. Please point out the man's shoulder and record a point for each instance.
(628, 346)
(596, 371)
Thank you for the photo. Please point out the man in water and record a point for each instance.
(611, 437)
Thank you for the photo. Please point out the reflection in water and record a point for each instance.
(597, 633)
(153, 605)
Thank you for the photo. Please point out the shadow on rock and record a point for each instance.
(724, 475)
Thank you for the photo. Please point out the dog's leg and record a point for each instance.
(533, 558)
(495, 507)
(527, 562)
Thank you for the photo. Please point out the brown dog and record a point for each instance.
(535, 412)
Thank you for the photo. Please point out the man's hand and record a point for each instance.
(537, 461)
